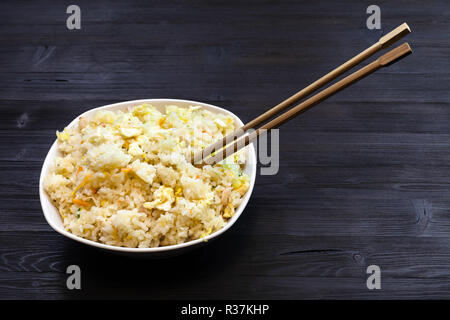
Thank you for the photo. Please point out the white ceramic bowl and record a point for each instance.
(54, 219)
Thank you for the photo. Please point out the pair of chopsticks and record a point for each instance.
(208, 154)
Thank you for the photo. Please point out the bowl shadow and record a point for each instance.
(188, 275)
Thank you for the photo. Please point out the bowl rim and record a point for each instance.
(45, 201)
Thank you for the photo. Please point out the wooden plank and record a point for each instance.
(292, 266)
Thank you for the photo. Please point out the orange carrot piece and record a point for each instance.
(80, 202)
(81, 185)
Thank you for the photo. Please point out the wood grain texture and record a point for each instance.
(364, 178)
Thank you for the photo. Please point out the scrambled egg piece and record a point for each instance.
(164, 197)
(135, 150)
(62, 136)
(229, 211)
(144, 171)
(104, 116)
(130, 132)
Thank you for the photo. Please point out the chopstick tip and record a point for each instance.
(395, 54)
(406, 27)
(395, 35)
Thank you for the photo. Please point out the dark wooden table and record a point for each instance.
(364, 178)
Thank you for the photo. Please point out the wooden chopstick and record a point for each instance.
(383, 61)
(382, 43)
